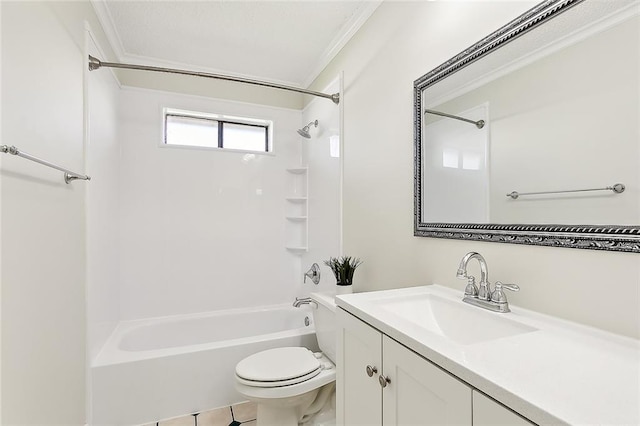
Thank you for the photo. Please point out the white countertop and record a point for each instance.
(561, 373)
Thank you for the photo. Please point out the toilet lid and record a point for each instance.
(279, 383)
(278, 365)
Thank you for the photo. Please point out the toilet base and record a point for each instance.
(283, 411)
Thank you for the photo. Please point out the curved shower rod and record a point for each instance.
(479, 124)
(95, 63)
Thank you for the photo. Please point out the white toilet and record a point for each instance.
(292, 384)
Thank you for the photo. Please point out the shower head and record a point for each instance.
(304, 132)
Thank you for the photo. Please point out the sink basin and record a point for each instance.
(454, 320)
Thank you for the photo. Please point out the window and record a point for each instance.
(188, 128)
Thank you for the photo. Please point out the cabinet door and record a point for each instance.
(420, 393)
(358, 396)
(487, 412)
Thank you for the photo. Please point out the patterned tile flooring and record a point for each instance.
(236, 415)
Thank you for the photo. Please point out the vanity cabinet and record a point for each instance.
(452, 363)
(358, 394)
(487, 412)
(381, 382)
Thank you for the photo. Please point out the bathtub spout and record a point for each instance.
(304, 301)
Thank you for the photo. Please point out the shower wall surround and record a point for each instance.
(201, 229)
(325, 181)
(102, 203)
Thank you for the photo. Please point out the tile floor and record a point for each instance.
(236, 415)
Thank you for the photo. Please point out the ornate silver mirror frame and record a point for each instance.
(598, 237)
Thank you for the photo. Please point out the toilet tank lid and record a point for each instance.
(327, 300)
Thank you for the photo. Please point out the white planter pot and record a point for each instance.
(344, 289)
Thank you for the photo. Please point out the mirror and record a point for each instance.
(532, 135)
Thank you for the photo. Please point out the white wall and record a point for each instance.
(401, 42)
(102, 205)
(1, 157)
(456, 168)
(43, 246)
(324, 188)
(220, 89)
(201, 229)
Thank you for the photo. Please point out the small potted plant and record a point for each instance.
(343, 269)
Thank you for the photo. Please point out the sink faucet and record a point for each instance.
(483, 296)
(484, 292)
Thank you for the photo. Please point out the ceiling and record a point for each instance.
(287, 42)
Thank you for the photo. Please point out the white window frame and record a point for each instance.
(221, 118)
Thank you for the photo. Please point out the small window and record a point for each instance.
(186, 128)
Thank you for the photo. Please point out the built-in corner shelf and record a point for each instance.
(297, 170)
(297, 210)
(296, 218)
(297, 250)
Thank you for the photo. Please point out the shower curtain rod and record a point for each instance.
(69, 176)
(95, 63)
(479, 124)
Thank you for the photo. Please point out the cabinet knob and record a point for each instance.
(384, 381)
(371, 370)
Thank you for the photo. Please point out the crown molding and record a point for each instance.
(106, 20)
(342, 38)
(339, 41)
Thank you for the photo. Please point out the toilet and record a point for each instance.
(293, 385)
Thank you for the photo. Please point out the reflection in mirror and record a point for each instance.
(456, 170)
(561, 107)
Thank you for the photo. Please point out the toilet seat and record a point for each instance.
(278, 367)
(326, 375)
(278, 383)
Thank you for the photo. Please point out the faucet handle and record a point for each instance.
(313, 273)
(471, 290)
(498, 295)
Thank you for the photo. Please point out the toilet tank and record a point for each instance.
(325, 322)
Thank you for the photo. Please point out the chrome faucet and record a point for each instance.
(484, 292)
(483, 297)
(304, 301)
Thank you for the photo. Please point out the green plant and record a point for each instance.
(343, 268)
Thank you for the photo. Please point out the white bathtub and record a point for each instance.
(160, 368)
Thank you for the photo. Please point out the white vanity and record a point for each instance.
(420, 355)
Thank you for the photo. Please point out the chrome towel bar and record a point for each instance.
(618, 188)
(69, 176)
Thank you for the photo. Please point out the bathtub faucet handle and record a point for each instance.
(313, 273)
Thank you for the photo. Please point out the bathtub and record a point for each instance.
(160, 368)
